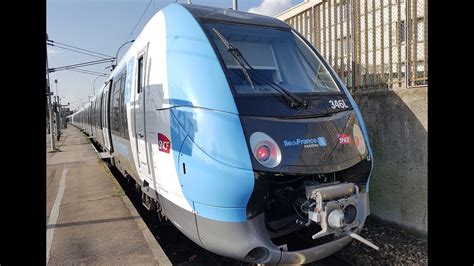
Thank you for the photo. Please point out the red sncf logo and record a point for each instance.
(344, 138)
(164, 143)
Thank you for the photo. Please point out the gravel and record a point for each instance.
(395, 247)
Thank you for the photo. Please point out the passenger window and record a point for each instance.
(140, 75)
(123, 108)
(116, 107)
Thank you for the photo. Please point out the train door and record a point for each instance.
(140, 124)
(89, 119)
(96, 118)
(100, 134)
(105, 116)
(93, 116)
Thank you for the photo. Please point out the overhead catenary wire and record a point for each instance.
(144, 11)
(72, 50)
(67, 45)
(81, 64)
(90, 71)
(84, 71)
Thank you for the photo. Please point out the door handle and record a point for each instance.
(140, 135)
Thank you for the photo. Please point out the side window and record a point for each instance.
(109, 113)
(106, 105)
(101, 96)
(97, 118)
(123, 107)
(118, 108)
(140, 75)
(115, 108)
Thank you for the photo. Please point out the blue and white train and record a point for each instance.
(238, 132)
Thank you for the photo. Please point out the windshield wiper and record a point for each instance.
(236, 54)
(293, 100)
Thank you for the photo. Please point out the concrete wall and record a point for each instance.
(397, 124)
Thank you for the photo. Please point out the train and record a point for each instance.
(237, 131)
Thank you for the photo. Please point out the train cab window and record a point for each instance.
(140, 75)
(259, 55)
(277, 55)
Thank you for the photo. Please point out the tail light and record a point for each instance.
(263, 153)
(359, 139)
(265, 149)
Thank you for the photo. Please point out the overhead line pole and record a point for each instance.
(48, 91)
(116, 54)
(58, 112)
(58, 118)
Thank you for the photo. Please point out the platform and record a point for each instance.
(89, 218)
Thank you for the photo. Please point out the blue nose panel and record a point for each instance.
(210, 183)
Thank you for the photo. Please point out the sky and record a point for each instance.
(102, 26)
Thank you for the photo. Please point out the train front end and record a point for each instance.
(276, 169)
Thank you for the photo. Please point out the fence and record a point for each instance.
(370, 43)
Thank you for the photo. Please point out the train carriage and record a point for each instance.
(239, 132)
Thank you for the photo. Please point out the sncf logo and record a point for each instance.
(164, 143)
(344, 138)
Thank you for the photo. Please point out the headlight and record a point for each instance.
(265, 149)
(359, 139)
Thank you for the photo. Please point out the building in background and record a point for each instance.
(379, 48)
(370, 43)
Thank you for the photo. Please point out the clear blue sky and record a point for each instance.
(102, 26)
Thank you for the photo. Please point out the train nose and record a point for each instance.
(252, 242)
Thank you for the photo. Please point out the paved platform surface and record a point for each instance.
(89, 218)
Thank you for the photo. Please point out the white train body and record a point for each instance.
(172, 118)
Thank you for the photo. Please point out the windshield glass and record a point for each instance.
(278, 55)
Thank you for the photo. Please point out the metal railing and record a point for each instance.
(371, 44)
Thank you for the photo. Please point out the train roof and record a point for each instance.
(206, 13)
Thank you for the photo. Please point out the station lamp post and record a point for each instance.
(93, 84)
(116, 54)
(58, 112)
(56, 82)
